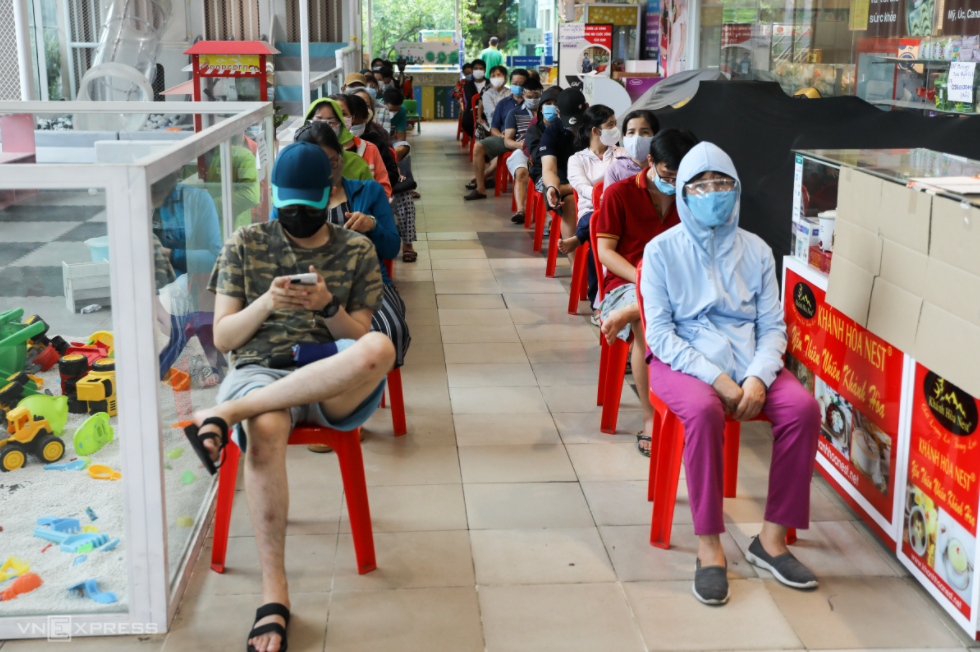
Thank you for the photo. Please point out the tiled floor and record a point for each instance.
(505, 521)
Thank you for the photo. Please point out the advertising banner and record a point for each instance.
(584, 49)
(940, 521)
(232, 65)
(857, 379)
(431, 53)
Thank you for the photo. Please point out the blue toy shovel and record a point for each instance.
(90, 589)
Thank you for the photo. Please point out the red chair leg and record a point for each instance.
(382, 404)
(540, 215)
(603, 365)
(553, 237)
(499, 179)
(472, 142)
(790, 536)
(227, 475)
(670, 452)
(733, 432)
(397, 402)
(654, 447)
(529, 202)
(348, 448)
(579, 278)
(615, 375)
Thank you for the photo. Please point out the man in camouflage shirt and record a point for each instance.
(259, 317)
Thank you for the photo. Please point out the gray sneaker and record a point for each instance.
(711, 584)
(785, 567)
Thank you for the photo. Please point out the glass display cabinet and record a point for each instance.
(107, 242)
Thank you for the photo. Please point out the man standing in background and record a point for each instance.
(492, 56)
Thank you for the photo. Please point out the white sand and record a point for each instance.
(31, 492)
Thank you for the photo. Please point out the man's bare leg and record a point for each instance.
(520, 187)
(401, 151)
(339, 384)
(641, 376)
(569, 218)
(268, 499)
(480, 168)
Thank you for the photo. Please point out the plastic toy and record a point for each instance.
(14, 567)
(181, 424)
(73, 368)
(109, 546)
(91, 514)
(179, 380)
(89, 589)
(74, 465)
(188, 477)
(21, 585)
(175, 453)
(168, 467)
(92, 352)
(84, 542)
(29, 384)
(90, 528)
(93, 434)
(79, 559)
(44, 549)
(42, 351)
(13, 340)
(184, 521)
(28, 435)
(98, 388)
(53, 409)
(102, 337)
(103, 472)
(69, 525)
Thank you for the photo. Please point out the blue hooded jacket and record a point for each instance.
(711, 299)
(369, 197)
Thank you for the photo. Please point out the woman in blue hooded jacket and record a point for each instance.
(716, 339)
(362, 206)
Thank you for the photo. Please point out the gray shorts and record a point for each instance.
(620, 297)
(494, 147)
(243, 380)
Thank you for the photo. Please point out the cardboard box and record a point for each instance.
(807, 235)
(849, 289)
(904, 216)
(820, 260)
(953, 290)
(858, 245)
(903, 267)
(859, 199)
(955, 235)
(947, 345)
(894, 314)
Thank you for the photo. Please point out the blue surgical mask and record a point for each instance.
(373, 93)
(663, 186)
(714, 208)
(516, 90)
(550, 112)
(376, 68)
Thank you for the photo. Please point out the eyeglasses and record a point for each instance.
(711, 185)
(532, 95)
(333, 122)
(290, 212)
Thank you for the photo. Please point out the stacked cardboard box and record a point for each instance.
(907, 267)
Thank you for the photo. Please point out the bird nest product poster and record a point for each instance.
(583, 49)
(856, 378)
(940, 519)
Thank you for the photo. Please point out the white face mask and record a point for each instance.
(638, 147)
(357, 130)
(347, 123)
(478, 75)
(497, 81)
(609, 137)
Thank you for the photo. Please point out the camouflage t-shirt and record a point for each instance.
(258, 253)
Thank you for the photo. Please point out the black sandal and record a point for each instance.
(642, 438)
(266, 610)
(197, 442)
(410, 256)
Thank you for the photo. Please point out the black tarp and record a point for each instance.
(758, 125)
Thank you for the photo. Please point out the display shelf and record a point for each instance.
(924, 106)
(893, 60)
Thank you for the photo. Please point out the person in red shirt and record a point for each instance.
(633, 212)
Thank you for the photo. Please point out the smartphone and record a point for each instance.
(303, 279)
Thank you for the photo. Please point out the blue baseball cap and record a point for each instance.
(301, 175)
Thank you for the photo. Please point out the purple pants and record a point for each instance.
(795, 417)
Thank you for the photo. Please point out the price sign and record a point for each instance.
(960, 88)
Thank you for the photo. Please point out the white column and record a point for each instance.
(304, 46)
(24, 61)
(370, 29)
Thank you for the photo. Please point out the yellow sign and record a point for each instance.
(859, 15)
(599, 15)
(228, 64)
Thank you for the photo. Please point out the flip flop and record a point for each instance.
(474, 195)
(409, 256)
(642, 438)
(197, 442)
(517, 218)
(266, 610)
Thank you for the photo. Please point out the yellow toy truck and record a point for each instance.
(29, 434)
(98, 388)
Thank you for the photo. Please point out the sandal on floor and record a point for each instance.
(471, 185)
(197, 442)
(640, 438)
(266, 610)
(517, 218)
(410, 256)
(474, 195)
(415, 195)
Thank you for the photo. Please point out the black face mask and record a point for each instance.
(302, 221)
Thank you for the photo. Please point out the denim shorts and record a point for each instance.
(619, 297)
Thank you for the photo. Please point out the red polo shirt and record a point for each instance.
(628, 215)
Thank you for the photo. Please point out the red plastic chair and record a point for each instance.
(538, 215)
(398, 421)
(476, 121)
(580, 277)
(529, 204)
(347, 445)
(554, 236)
(502, 175)
(459, 129)
(667, 453)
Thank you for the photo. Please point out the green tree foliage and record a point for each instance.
(481, 19)
(402, 20)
